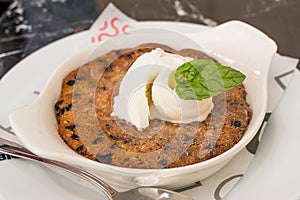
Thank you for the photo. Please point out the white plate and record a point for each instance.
(23, 179)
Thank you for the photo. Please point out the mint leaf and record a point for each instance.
(201, 79)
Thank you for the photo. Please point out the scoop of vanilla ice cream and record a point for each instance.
(171, 107)
(156, 68)
(159, 57)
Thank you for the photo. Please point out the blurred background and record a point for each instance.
(27, 25)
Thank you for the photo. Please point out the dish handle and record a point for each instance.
(238, 44)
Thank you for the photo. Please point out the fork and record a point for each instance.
(141, 193)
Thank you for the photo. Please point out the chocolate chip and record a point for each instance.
(71, 127)
(162, 138)
(107, 126)
(210, 146)
(71, 82)
(140, 50)
(57, 104)
(75, 137)
(106, 158)
(113, 137)
(126, 141)
(61, 111)
(80, 149)
(104, 88)
(98, 140)
(236, 123)
(166, 148)
(109, 69)
(91, 101)
(163, 162)
(113, 146)
(68, 107)
(128, 56)
(234, 103)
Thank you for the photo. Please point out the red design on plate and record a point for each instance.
(110, 29)
(124, 28)
(104, 27)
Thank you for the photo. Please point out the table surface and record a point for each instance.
(26, 26)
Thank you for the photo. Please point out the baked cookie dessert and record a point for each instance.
(86, 124)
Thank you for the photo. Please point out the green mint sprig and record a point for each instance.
(201, 79)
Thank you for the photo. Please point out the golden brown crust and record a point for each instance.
(85, 123)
